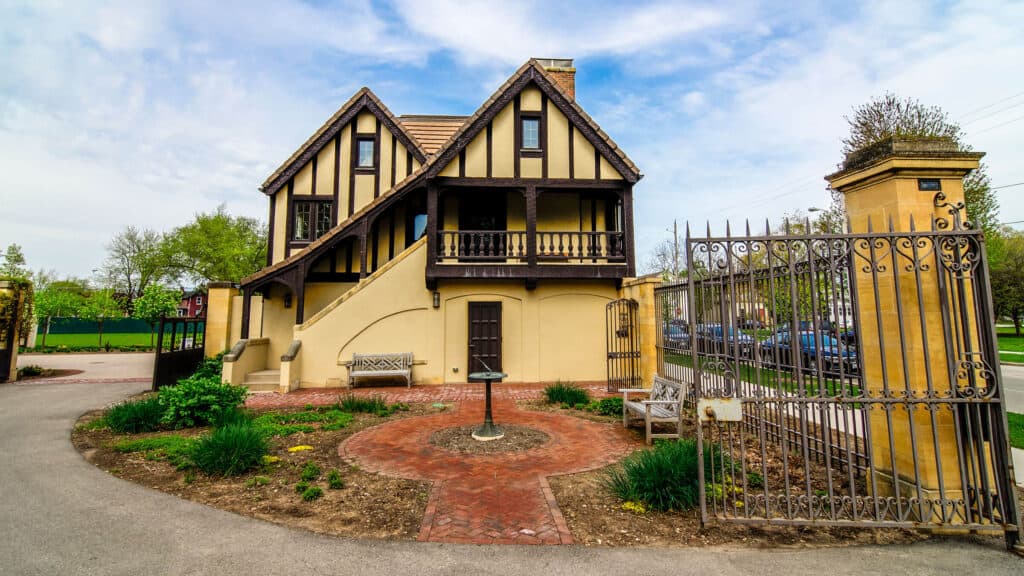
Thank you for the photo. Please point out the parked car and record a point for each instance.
(728, 340)
(676, 336)
(779, 348)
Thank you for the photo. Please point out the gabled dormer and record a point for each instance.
(360, 153)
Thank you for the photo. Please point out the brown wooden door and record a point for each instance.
(484, 336)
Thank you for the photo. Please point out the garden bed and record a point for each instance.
(369, 505)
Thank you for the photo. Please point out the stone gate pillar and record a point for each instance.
(219, 310)
(904, 313)
(11, 299)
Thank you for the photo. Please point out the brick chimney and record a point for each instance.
(562, 72)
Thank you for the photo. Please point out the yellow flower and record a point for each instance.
(271, 459)
(637, 507)
(300, 448)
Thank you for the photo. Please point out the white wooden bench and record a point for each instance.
(381, 365)
(661, 405)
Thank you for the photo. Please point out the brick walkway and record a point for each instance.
(492, 498)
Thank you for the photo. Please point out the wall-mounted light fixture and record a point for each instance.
(437, 299)
(288, 300)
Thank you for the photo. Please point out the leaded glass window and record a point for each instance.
(531, 133)
(323, 218)
(365, 158)
(303, 214)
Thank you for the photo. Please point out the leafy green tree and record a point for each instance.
(99, 306)
(56, 300)
(216, 247)
(893, 116)
(1008, 279)
(14, 264)
(156, 301)
(134, 261)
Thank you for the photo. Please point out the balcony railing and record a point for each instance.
(511, 246)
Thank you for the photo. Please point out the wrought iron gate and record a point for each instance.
(623, 338)
(844, 379)
(180, 347)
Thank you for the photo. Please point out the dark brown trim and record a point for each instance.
(246, 312)
(518, 140)
(627, 218)
(542, 138)
(531, 227)
(270, 230)
(541, 183)
(462, 164)
(362, 247)
(365, 102)
(312, 183)
(391, 236)
(520, 272)
(300, 295)
(351, 170)
(334, 261)
(432, 194)
(376, 160)
(490, 151)
(290, 224)
(597, 164)
(293, 199)
(572, 151)
(394, 159)
(509, 95)
(375, 246)
(337, 179)
(408, 164)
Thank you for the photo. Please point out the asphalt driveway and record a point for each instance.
(60, 515)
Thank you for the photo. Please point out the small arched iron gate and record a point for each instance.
(623, 344)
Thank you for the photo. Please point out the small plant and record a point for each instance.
(334, 480)
(566, 393)
(230, 450)
(755, 480)
(257, 481)
(663, 478)
(372, 405)
(210, 367)
(30, 370)
(312, 493)
(606, 406)
(190, 477)
(301, 487)
(134, 417)
(310, 472)
(308, 407)
(197, 401)
(177, 450)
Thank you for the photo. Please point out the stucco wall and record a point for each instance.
(553, 332)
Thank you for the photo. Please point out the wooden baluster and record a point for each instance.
(503, 244)
(561, 244)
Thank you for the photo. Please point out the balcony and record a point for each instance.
(513, 247)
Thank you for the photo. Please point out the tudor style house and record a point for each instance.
(500, 237)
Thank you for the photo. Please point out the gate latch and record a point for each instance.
(720, 410)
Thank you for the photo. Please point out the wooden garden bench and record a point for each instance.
(381, 365)
(661, 405)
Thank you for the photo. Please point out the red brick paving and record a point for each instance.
(487, 498)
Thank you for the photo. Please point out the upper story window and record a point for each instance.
(364, 158)
(531, 133)
(312, 220)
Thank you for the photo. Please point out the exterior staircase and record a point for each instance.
(263, 381)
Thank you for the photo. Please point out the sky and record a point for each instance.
(144, 113)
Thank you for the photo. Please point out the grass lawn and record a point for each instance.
(70, 340)
(1016, 430)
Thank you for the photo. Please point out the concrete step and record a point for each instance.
(262, 380)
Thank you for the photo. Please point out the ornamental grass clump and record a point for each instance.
(230, 450)
(663, 478)
(135, 416)
(199, 400)
(566, 393)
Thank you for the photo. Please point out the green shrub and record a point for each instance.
(301, 487)
(30, 370)
(288, 423)
(231, 450)
(371, 405)
(606, 406)
(135, 416)
(755, 480)
(312, 493)
(566, 393)
(310, 472)
(231, 416)
(174, 449)
(210, 367)
(334, 480)
(663, 478)
(257, 481)
(196, 401)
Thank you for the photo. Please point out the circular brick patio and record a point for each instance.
(489, 498)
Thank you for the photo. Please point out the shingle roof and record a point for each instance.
(431, 131)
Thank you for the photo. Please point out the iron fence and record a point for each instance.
(866, 370)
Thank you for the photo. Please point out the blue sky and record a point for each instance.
(133, 112)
